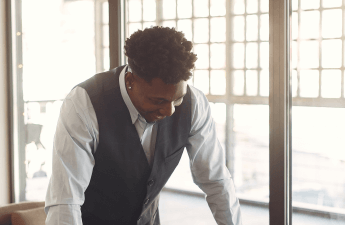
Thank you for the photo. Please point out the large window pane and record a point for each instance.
(149, 10)
(58, 53)
(317, 125)
(251, 161)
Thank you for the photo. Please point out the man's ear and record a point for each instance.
(129, 79)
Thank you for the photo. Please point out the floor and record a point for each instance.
(182, 209)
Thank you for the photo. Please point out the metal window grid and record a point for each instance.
(319, 101)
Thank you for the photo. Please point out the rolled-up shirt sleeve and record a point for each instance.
(207, 162)
(74, 142)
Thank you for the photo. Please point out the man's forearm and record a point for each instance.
(64, 215)
(222, 200)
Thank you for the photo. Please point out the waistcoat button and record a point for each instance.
(150, 183)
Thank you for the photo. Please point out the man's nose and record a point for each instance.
(168, 109)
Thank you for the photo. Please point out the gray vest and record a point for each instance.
(123, 188)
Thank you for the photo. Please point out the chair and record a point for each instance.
(23, 213)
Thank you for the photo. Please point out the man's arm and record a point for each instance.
(75, 139)
(207, 161)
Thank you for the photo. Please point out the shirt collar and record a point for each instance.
(131, 108)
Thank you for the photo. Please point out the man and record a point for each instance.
(121, 134)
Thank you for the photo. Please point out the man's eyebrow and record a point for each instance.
(163, 99)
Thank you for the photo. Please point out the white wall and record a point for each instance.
(4, 117)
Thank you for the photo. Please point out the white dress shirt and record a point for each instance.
(76, 140)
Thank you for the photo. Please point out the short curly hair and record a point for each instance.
(160, 52)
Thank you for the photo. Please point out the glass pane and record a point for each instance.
(294, 83)
(69, 33)
(169, 9)
(310, 24)
(331, 23)
(238, 55)
(264, 6)
(252, 55)
(105, 13)
(252, 28)
(251, 82)
(250, 163)
(238, 82)
(134, 10)
(331, 83)
(332, 3)
(252, 6)
(186, 27)
(219, 115)
(264, 83)
(218, 56)
(201, 32)
(203, 56)
(294, 54)
(218, 29)
(106, 59)
(264, 27)
(218, 7)
(294, 4)
(202, 80)
(307, 4)
(309, 54)
(169, 23)
(294, 25)
(218, 82)
(149, 10)
(239, 6)
(148, 24)
(62, 43)
(184, 8)
(238, 28)
(201, 8)
(318, 161)
(309, 83)
(133, 27)
(106, 35)
(317, 146)
(331, 54)
(264, 55)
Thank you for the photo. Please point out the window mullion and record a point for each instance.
(342, 53)
(229, 133)
(280, 113)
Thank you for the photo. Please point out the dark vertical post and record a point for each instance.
(116, 15)
(280, 113)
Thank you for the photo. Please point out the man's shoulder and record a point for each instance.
(197, 96)
(101, 82)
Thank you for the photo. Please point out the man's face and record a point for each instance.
(154, 100)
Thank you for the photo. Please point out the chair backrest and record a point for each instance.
(7, 210)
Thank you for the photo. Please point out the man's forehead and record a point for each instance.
(158, 89)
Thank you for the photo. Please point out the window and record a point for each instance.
(66, 47)
(318, 55)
